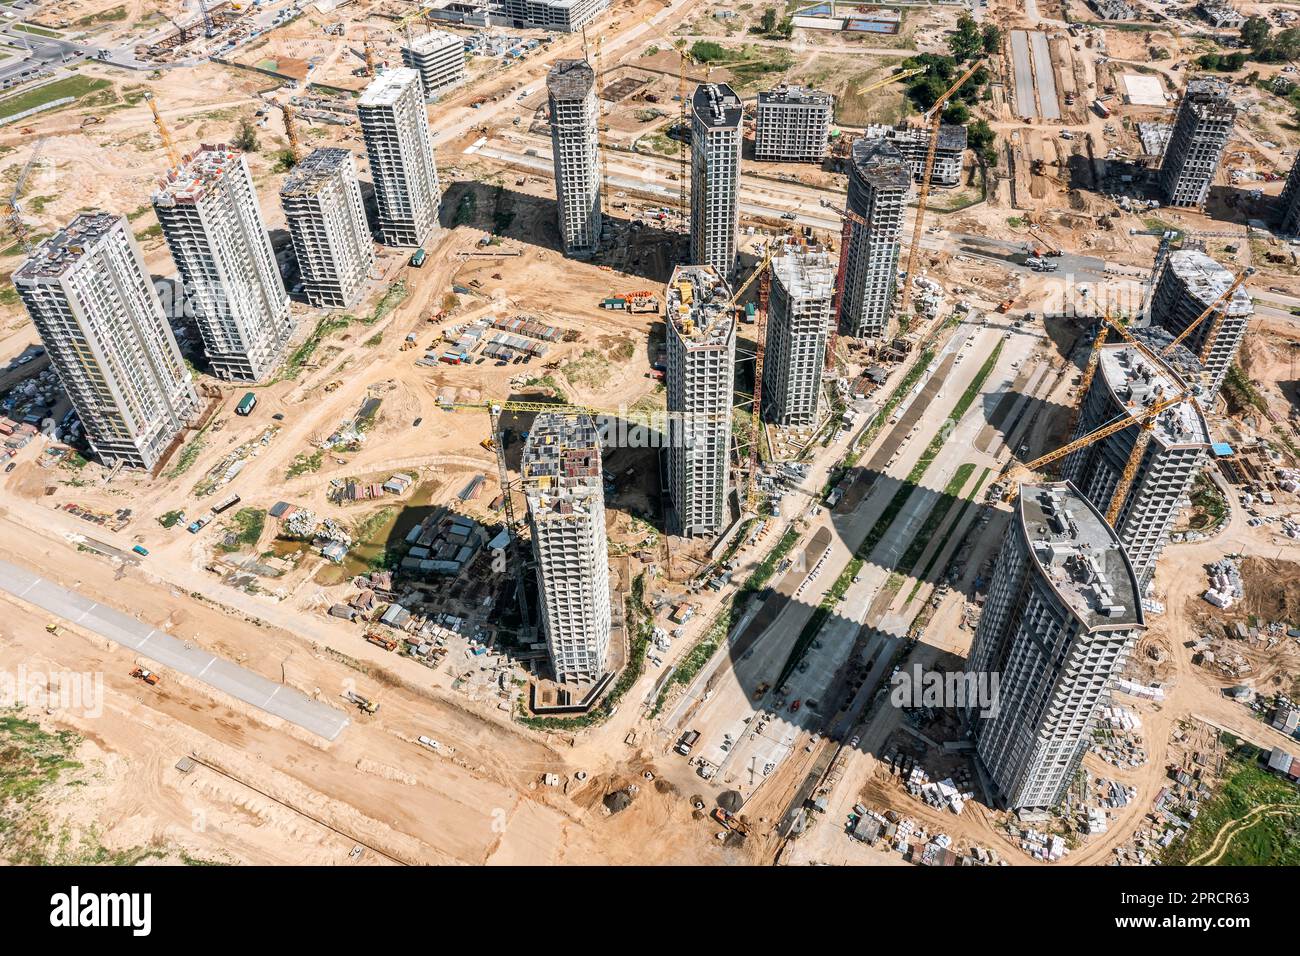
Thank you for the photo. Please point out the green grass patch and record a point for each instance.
(391, 299)
(75, 86)
(111, 15)
(324, 328)
(37, 31)
(188, 456)
(169, 519)
(249, 523)
(1267, 841)
(305, 464)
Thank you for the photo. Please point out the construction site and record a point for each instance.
(430, 486)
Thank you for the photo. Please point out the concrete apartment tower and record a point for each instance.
(565, 16)
(395, 124)
(798, 322)
(914, 144)
(701, 368)
(1126, 382)
(1287, 214)
(439, 58)
(213, 224)
(327, 222)
(1189, 282)
(566, 514)
(793, 125)
(1062, 615)
(89, 295)
(575, 111)
(1201, 131)
(879, 179)
(715, 176)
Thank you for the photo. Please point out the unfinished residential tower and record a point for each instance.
(395, 124)
(88, 293)
(1188, 284)
(575, 110)
(715, 176)
(1061, 618)
(327, 221)
(439, 58)
(798, 322)
(1128, 381)
(879, 179)
(210, 216)
(566, 514)
(793, 125)
(1200, 133)
(701, 365)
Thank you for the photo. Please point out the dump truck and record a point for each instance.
(148, 676)
(687, 742)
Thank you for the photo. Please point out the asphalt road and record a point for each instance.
(170, 652)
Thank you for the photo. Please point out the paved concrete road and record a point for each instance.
(1044, 78)
(170, 652)
(1024, 75)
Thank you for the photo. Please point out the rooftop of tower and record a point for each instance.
(433, 40)
(795, 95)
(697, 305)
(387, 88)
(805, 272)
(1080, 556)
(716, 105)
(1207, 279)
(61, 251)
(561, 462)
(198, 172)
(1137, 382)
(570, 79)
(879, 162)
(312, 173)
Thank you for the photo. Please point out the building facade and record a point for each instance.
(798, 323)
(913, 142)
(566, 515)
(1201, 130)
(89, 295)
(1126, 382)
(395, 125)
(715, 176)
(793, 125)
(1062, 616)
(564, 16)
(1188, 284)
(701, 363)
(327, 222)
(212, 222)
(575, 111)
(879, 180)
(439, 58)
(1287, 215)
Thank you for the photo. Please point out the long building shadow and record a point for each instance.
(636, 246)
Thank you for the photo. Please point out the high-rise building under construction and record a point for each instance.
(575, 111)
(327, 222)
(716, 137)
(395, 124)
(798, 323)
(879, 179)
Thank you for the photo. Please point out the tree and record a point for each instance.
(968, 41)
(955, 114)
(992, 38)
(768, 23)
(246, 137)
(1254, 32)
(980, 137)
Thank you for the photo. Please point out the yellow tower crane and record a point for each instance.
(291, 130)
(932, 118)
(893, 77)
(173, 155)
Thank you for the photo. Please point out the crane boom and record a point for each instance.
(1130, 471)
(173, 155)
(933, 118)
(905, 74)
(1218, 305)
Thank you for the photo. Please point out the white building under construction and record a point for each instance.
(1196, 144)
(395, 124)
(1062, 615)
(566, 515)
(798, 323)
(1189, 282)
(212, 222)
(792, 125)
(1127, 382)
(89, 295)
(575, 111)
(879, 179)
(716, 137)
(439, 58)
(913, 142)
(701, 367)
(327, 222)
